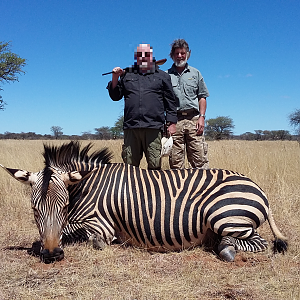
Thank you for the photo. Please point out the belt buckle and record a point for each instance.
(184, 113)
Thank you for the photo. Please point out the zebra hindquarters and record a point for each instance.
(234, 216)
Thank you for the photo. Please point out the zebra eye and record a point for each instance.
(65, 209)
(35, 211)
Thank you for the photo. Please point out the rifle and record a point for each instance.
(157, 63)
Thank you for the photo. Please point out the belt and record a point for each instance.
(187, 112)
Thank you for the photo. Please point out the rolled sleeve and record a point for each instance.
(202, 91)
(115, 94)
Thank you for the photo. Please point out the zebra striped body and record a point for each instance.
(156, 210)
(167, 210)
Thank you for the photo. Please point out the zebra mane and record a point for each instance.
(69, 157)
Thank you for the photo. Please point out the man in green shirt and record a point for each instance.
(191, 93)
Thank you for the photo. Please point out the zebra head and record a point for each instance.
(65, 165)
(49, 201)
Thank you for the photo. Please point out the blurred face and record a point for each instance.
(144, 56)
(180, 57)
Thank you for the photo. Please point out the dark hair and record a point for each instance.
(179, 43)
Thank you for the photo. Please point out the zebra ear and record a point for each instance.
(22, 175)
(75, 177)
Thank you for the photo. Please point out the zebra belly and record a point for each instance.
(162, 246)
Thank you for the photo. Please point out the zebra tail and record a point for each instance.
(280, 243)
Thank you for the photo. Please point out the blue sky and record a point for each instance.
(247, 51)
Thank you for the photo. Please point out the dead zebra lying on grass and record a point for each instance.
(80, 196)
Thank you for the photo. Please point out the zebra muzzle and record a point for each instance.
(49, 257)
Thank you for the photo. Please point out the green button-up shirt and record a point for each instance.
(188, 87)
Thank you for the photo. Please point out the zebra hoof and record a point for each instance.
(228, 253)
(97, 242)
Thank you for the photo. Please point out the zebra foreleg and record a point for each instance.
(97, 241)
(74, 233)
(78, 233)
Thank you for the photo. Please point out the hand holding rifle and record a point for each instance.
(116, 73)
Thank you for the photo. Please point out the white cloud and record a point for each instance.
(224, 76)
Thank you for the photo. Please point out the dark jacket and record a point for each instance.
(149, 99)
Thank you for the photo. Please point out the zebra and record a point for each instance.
(80, 197)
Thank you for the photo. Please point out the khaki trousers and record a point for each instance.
(186, 140)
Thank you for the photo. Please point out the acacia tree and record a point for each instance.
(103, 133)
(56, 131)
(219, 128)
(87, 135)
(117, 130)
(11, 65)
(295, 120)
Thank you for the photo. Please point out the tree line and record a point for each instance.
(101, 133)
(106, 133)
(220, 128)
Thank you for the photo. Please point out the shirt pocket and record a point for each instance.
(191, 88)
(131, 83)
(154, 83)
(174, 81)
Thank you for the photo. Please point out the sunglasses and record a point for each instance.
(146, 54)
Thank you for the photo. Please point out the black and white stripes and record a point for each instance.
(168, 209)
(156, 210)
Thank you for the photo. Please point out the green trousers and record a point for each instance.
(142, 141)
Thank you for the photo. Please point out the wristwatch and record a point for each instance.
(202, 116)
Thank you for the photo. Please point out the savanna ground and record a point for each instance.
(120, 272)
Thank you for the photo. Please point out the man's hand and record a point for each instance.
(116, 73)
(172, 129)
(201, 121)
(200, 126)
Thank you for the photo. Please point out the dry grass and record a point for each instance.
(128, 273)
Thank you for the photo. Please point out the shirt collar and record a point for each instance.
(186, 69)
